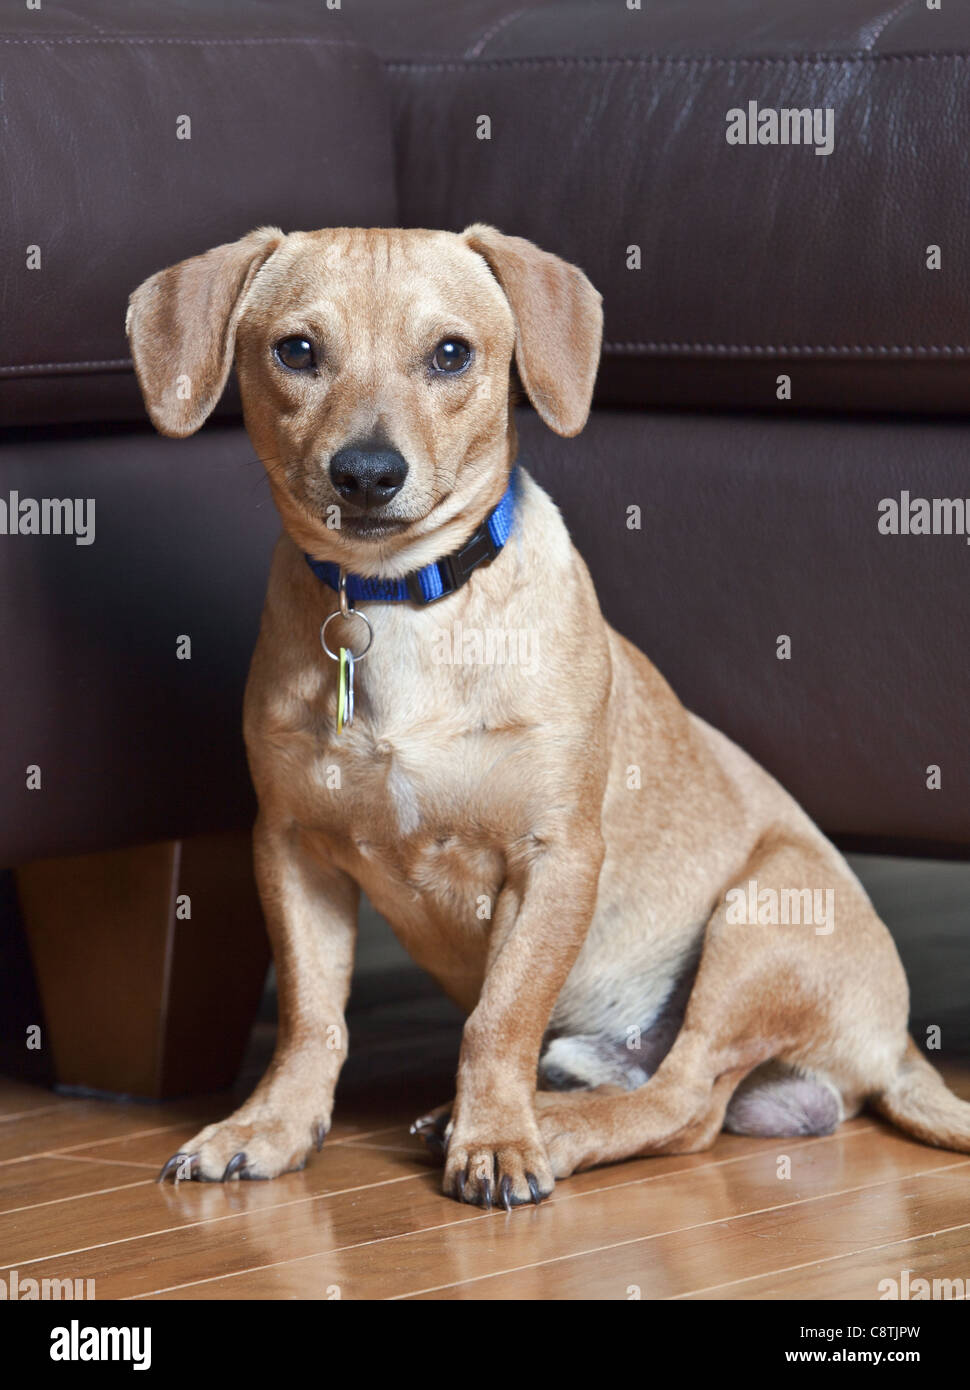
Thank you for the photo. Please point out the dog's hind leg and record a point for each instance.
(755, 999)
(679, 1110)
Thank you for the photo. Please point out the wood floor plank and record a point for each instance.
(156, 1218)
(77, 1121)
(367, 1215)
(77, 1125)
(676, 1264)
(941, 1255)
(153, 1212)
(228, 1235)
(84, 1122)
(589, 1212)
(18, 1098)
(35, 1181)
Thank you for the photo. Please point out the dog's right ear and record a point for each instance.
(558, 324)
(181, 326)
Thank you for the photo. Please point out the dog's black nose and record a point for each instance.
(368, 477)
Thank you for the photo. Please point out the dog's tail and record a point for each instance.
(919, 1102)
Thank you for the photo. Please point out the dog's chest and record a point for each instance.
(419, 803)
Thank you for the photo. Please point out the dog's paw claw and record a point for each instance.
(320, 1132)
(504, 1175)
(175, 1167)
(236, 1164)
(182, 1168)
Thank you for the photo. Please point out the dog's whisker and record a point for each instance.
(273, 467)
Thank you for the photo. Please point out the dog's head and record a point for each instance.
(374, 370)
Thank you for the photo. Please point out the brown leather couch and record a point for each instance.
(726, 270)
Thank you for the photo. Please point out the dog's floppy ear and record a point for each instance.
(558, 324)
(181, 326)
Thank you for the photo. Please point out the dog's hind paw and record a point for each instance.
(435, 1129)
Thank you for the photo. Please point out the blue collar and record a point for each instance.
(440, 578)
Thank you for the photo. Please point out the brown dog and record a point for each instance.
(628, 908)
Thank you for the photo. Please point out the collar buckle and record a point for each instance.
(456, 569)
(479, 549)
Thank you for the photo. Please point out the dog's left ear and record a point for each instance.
(558, 324)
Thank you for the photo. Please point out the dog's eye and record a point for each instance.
(296, 354)
(451, 355)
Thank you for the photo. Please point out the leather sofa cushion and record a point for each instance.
(751, 529)
(608, 130)
(133, 743)
(289, 125)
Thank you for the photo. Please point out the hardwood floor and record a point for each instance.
(366, 1220)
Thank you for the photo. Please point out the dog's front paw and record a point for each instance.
(497, 1164)
(258, 1145)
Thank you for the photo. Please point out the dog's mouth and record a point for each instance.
(373, 527)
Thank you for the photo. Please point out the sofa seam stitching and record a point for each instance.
(834, 350)
(66, 366)
(671, 61)
(167, 39)
(792, 349)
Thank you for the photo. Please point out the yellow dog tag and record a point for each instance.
(345, 689)
(341, 689)
(344, 657)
